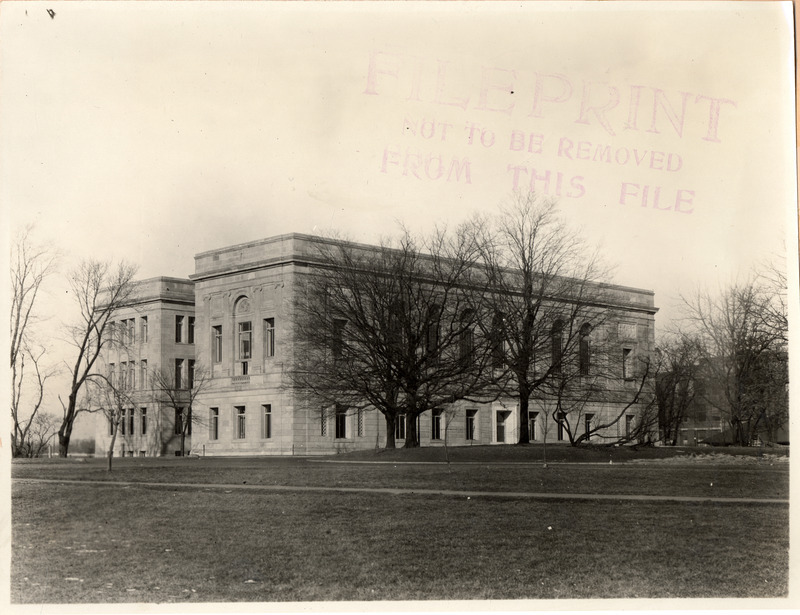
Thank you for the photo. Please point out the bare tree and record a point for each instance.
(100, 289)
(553, 318)
(392, 328)
(30, 266)
(676, 383)
(111, 399)
(742, 331)
(172, 388)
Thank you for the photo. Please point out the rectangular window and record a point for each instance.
(560, 422)
(337, 338)
(360, 423)
(341, 423)
(123, 375)
(400, 427)
(190, 375)
(470, 427)
(323, 423)
(501, 425)
(178, 421)
(245, 346)
(587, 425)
(532, 417)
(266, 421)
(178, 373)
(628, 425)
(436, 424)
(190, 331)
(110, 426)
(132, 374)
(143, 420)
(627, 360)
(111, 374)
(241, 422)
(122, 421)
(132, 331)
(213, 424)
(143, 374)
(216, 348)
(131, 421)
(178, 329)
(269, 337)
(144, 329)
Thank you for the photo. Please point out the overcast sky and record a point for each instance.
(152, 132)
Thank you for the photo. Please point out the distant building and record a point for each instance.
(157, 334)
(245, 342)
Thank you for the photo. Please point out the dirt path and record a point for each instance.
(426, 492)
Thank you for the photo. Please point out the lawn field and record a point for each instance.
(99, 543)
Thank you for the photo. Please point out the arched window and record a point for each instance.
(557, 345)
(584, 357)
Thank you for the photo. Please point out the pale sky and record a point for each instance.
(154, 131)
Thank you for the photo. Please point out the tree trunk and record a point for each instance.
(63, 443)
(524, 427)
(390, 443)
(412, 439)
(65, 432)
(183, 442)
(111, 447)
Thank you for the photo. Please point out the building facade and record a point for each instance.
(154, 342)
(246, 342)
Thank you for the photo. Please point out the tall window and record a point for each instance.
(400, 427)
(628, 425)
(432, 331)
(190, 331)
(213, 423)
(216, 347)
(583, 352)
(132, 331)
(360, 422)
(266, 421)
(341, 422)
(123, 375)
(627, 363)
(241, 423)
(498, 341)
(178, 421)
(143, 374)
(269, 337)
(144, 329)
(190, 375)
(178, 329)
(178, 373)
(436, 424)
(143, 421)
(112, 374)
(245, 345)
(532, 417)
(323, 423)
(337, 338)
(131, 421)
(132, 374)
(560, 422)
(122, 422)
(587, 424)
(110, 426)
(557, 345)
(470, 427)
(466, 341)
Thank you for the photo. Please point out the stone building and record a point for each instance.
(246, 343)
(155, 335)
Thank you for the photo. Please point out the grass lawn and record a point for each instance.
(113, 543)
(94, 543)
(765, 479)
